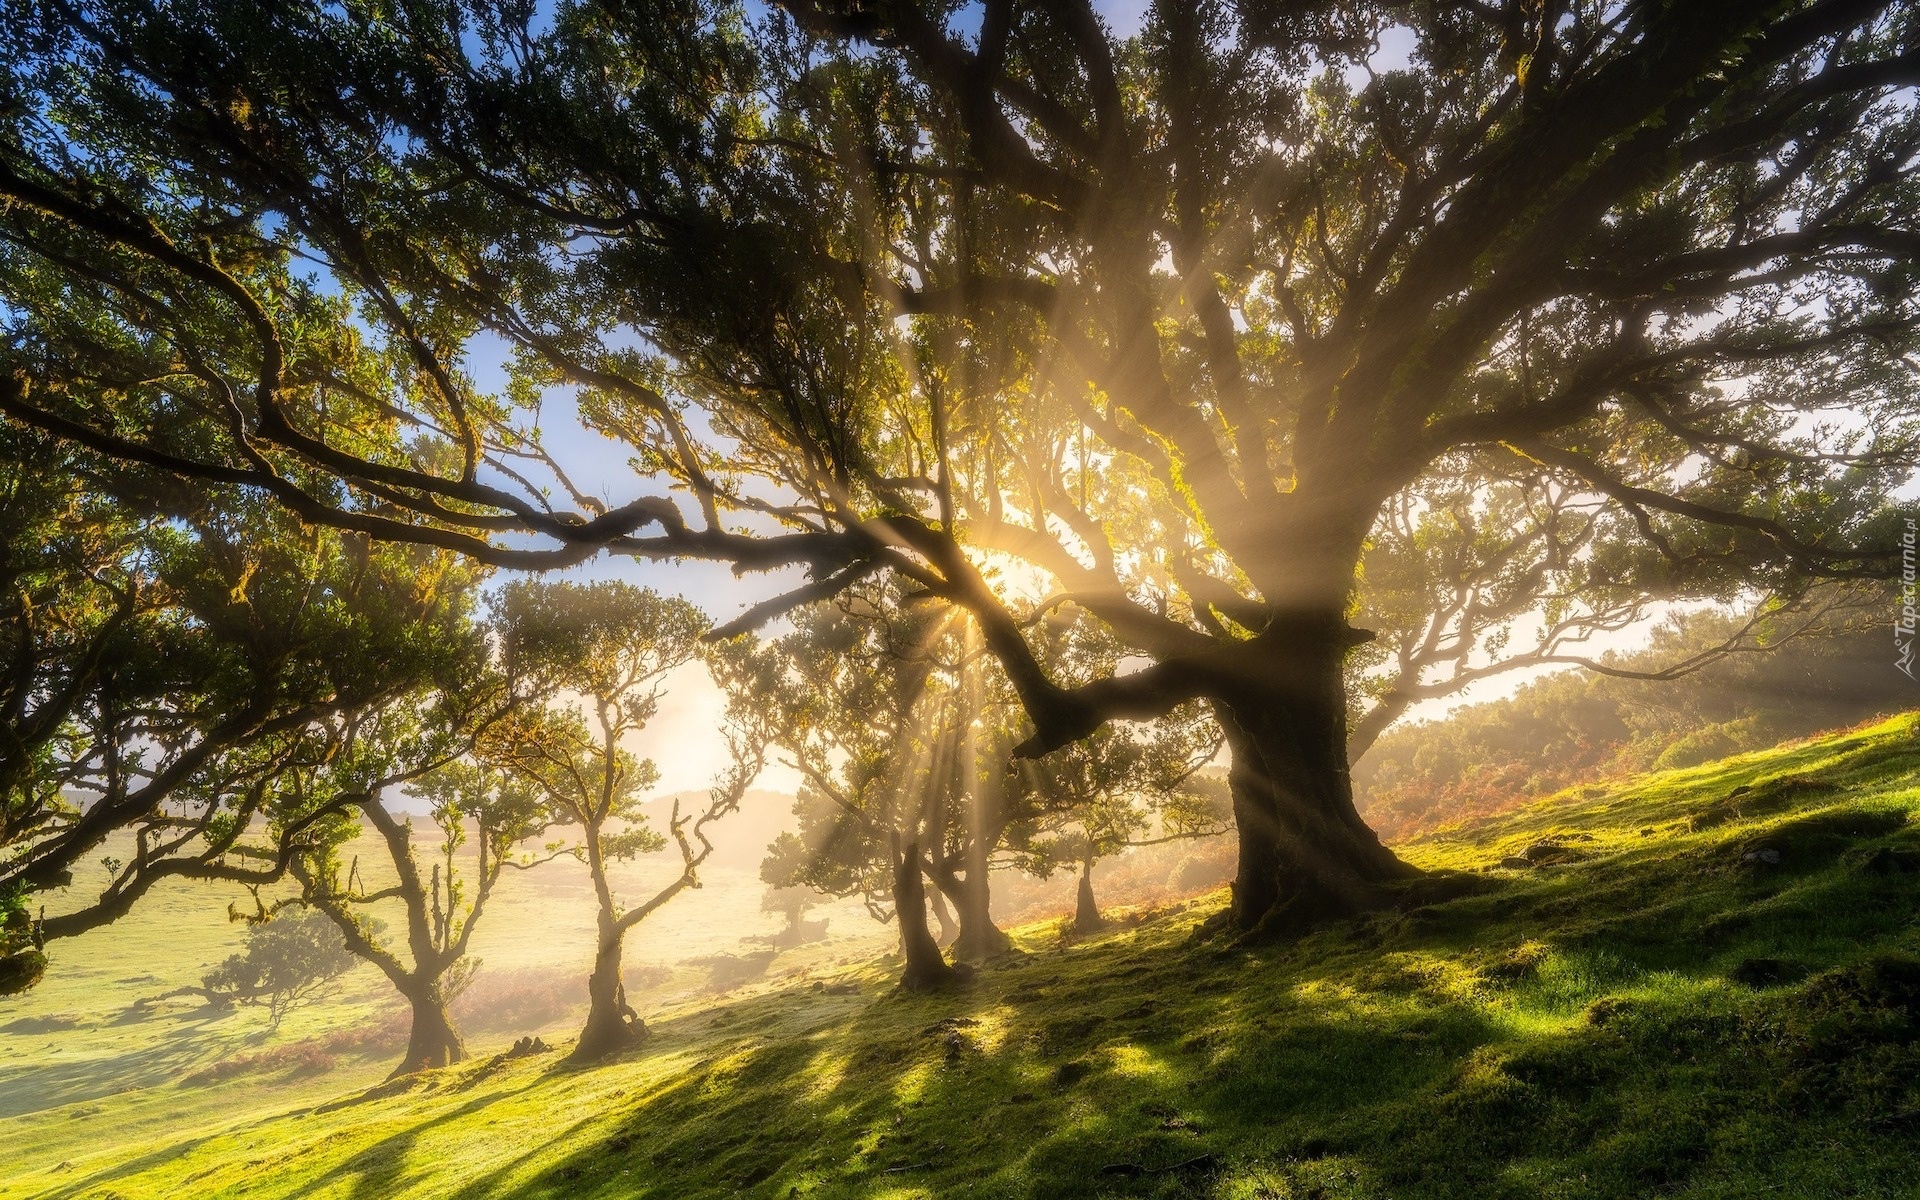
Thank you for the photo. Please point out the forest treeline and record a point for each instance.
(1085, 404)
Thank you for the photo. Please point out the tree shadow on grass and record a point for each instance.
(1573, 1031)
(126, 1169)
(1406, 1056)
(1041, 1078)
(37, 1085)
(378, 1171)
(159, 1157)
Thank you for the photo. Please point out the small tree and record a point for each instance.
(970, 809)
(792, 903)
(290, 960)
(853, 699)
(423, 743)
(1117, 789)
(613, 645)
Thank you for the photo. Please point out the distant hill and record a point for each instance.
(1578, 727)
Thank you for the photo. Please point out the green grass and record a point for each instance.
(1669, 1014)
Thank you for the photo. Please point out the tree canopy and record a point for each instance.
(1257, 336)
(193, 677)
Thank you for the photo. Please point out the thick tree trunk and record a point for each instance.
(979, 936)
(948, 930)
(1305, 854)
(1086, 916)
(433, 1041)
(612, 1025)
(924, 969)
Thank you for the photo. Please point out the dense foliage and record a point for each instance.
(1317, 352)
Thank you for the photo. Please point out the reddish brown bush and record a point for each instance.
(306, 1057)
(521, 1001)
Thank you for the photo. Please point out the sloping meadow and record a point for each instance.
(1703, 983)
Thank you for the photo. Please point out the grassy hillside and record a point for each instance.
(81, 1035)
(1708, 987)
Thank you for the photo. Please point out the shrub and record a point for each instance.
(520, 1000)
(311, 1057)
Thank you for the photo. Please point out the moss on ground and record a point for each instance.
(1702, 991)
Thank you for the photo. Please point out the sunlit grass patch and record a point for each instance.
(1655, 1016)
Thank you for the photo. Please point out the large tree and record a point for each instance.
(1181, 320)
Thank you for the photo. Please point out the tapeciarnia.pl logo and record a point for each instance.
(1904, 627)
